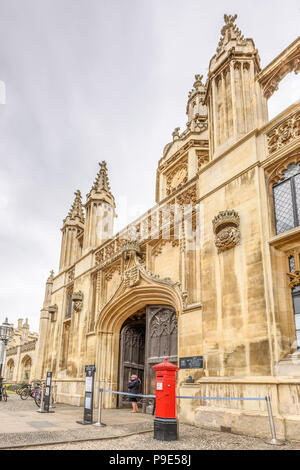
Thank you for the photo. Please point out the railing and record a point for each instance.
(272, 441)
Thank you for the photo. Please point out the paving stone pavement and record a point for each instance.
(20, 424)
(191, 438)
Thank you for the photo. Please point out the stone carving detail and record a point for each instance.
(203, 158)
(175, 133)
(178, 176)
(77, 299)
(71, 275)
(157, 249)
(10, 352)
(164, 324)
(110, 271)
(228, 32)
(226, 229)
(132, 276)
(284, 133)
(187, 197)
(293, 267)
(275, 172)
(130, 247)
(28, 346)
(285, 68)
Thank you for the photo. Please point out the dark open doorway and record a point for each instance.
(145, 339)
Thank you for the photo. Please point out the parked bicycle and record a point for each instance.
(31, 391)
(23, 389)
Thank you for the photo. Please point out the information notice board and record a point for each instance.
(193, 362)
(88, 395)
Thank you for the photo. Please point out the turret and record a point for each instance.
(100, 211)
(43, 329)
(196, 109)
(72, 231)
(235, 101)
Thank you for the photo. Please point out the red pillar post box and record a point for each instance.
(165, 422)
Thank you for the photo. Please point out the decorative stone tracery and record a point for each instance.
(284, 133)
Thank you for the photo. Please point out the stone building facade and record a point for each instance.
(212, 270)
(20, 354)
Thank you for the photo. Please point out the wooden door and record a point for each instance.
(161, 340)
(132, 357)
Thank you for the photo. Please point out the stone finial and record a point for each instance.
(198, 85)
(229, 32)
(51, 277)
(175, 133)
(101, 182)
(76, 210)
(101, 188)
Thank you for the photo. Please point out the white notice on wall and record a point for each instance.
(159, 385)
(88, 403)
(88, 384)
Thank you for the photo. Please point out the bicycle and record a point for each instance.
(37, 396)
(22, 388)
(25, 392)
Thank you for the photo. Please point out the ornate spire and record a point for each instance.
(76, 209)
(101, 188)
(101, 182)
(229, 32)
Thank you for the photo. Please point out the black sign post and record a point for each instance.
(88, 395)
(46, 397)
(194, 362)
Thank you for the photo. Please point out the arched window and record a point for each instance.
(286, 194)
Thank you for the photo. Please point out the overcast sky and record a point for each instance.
(93, 80)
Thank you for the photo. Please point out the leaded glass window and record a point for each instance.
(286, 194)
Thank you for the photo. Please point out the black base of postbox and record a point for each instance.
(85, 422)
(165, 429)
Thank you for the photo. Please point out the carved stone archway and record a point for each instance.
(137, 290)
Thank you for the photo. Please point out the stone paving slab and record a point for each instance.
(21, 424)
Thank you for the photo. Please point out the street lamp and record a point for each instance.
(5, 334)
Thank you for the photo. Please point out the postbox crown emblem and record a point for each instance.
(165, 366)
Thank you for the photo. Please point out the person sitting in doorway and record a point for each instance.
(133, 387)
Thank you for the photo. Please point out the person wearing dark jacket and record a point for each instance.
(133, 387)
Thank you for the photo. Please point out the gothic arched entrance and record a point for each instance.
(145, 339)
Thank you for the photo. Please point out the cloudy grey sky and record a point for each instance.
(100, 79)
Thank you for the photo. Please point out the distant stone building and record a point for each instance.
(20, 354)
(210, 276)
